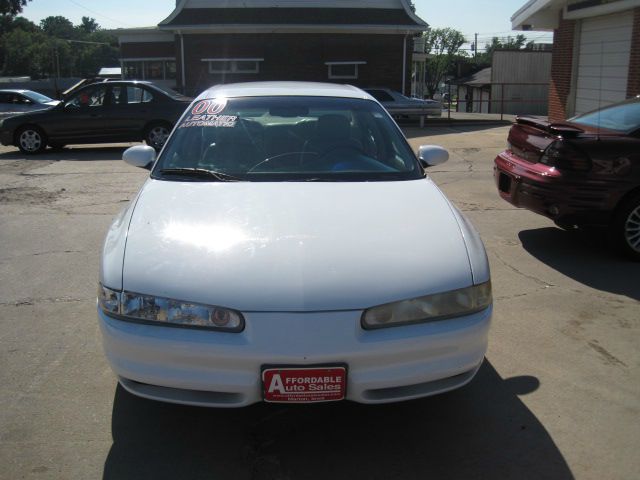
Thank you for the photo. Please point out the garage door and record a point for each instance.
(603, 63)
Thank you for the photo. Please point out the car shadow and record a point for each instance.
(480, 431)
(71, 154)
(585, 256)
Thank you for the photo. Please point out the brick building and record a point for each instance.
(207, 42)
(596, 51)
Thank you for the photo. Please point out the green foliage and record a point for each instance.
(88, 25)
(58, 27)
(24, 53)
(443, 48)
(509, 43)
(12, 7)
(55, 47)
(8, 24)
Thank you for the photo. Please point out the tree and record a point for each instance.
(56, 47)
(25, 53)
(88, 25)
(12, 7)
(509, 43)
(442, 46)
(10, 24)
(58, 27)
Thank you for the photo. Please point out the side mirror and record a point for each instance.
(432, 155)
(141, 156)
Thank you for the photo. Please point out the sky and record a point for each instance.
(488, 18)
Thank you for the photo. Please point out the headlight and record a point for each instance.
(170, 312)
(429, 308)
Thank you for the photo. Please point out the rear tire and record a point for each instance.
(156, 134)
(626, 227)
(31, 140)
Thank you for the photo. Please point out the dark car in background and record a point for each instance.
(14, 101)
(582, 172)
(119, 111)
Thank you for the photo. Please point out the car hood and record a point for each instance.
(294, 246)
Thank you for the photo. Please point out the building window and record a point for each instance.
(154, 70)
(342, 70)
(132, 70)
(149, 68)
(233, 65)
(170, 69)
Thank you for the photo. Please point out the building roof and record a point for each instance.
(303, 89)
(545, 14)
(299, 16)
(256, 15)
(479, 79)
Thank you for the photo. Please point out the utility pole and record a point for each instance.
(475, 47)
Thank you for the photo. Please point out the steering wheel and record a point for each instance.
(286, 158)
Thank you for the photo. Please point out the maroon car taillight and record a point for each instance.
(565, 156)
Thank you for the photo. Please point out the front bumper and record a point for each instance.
(206, 368)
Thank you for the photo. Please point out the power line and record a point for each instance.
(100, 15)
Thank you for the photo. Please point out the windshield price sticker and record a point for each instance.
(304, 385)
(212, 106)
(206, 113)
(226, 121)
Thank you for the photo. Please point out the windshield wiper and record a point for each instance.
(200, 173)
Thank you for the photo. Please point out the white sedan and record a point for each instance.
(288, 247)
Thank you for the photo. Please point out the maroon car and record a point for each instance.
(582, 172)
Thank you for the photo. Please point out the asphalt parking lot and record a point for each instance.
(557, 398)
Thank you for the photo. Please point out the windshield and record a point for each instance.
(37, 97)
(624, 117)
(169, 91)
(288, 139)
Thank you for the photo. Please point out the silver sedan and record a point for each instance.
(400, 106)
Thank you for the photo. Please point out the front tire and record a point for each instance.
(156, 135)
(31, 140)
(626, 227)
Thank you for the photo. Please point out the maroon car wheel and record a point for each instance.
(627, 227)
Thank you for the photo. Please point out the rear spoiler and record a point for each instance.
(564, 129)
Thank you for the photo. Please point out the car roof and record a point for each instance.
(278, 89)
(111, 82)
(14, 90)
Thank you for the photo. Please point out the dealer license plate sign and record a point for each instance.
(304, 385)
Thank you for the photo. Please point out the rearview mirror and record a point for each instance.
(141, 156)
(432, 155)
